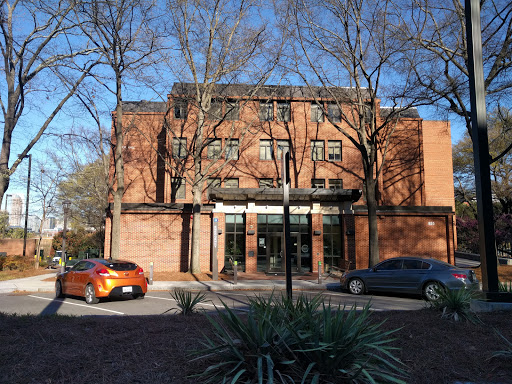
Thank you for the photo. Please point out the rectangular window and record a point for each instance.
(283, 111)
(317, 183)
(334, 150)
(335, 184)
(317, 114)
(235, 241)
(180, 109)
(232, 110)
(334, 113)
(317, 150)
(214, 182)
(215, 112)
(265, 149)
(179, 147)
(231, 183)
(266, 111)
(281, 146)
(232, 149)
(178, 188)
(214, 148)
(368, 114)
(266, 183)
(332, 241)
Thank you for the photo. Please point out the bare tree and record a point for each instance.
(43, 59)
(436, 31)
(220, 42)
(45, 185)
(353, 43)
(124, 32)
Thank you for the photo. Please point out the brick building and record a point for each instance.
(242, 198)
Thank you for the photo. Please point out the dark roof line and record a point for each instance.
(270, 91)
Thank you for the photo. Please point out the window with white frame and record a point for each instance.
(214, 182)
(266, 183)
(282, 145)
(266, 111)
(283, 111)
(178, 190)
(334, 112)
(231, 183)
(214, 148)
(179, 147)
(215, 112)
(334, 150)
(317, 150)
(232, 149)
(232, 110)
(335, 184)
(265, 149)
(317, 183)
(180, 109)
(317, 113)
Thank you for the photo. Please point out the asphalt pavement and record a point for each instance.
(38, 284)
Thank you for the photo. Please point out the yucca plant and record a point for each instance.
(187, 303)
(505, 287)
(507, 352)
(282, 341)
(455, 304)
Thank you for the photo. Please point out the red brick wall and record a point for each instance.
(14, 247)
(406, 235)
(417, 172)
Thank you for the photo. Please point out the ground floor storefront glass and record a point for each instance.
(332, 241)
(271, 243)
(235, 241)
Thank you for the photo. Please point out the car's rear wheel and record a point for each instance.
(431, 290)
(90, 295)
(356, 286)
(58, 290)
(139, 296)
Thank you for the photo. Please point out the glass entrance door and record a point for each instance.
(275, 252)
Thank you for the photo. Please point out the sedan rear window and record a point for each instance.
(119, 266)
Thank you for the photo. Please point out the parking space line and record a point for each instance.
(79, 305)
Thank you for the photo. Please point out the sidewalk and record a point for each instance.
(36, 284)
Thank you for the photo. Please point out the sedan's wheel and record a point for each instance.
(356, 286)
(90, 295)
(140, 296)
(431, 291)
(58, 290)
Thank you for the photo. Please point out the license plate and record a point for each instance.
(127, 289)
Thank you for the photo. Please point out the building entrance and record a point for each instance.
(271, 243)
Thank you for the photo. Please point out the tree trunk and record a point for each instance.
(119, 167)
(373, 231)
(195, 259)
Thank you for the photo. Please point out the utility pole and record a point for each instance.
(26, 206)
(488, 255)
(285, 180)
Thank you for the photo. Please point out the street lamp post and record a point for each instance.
(65, 205)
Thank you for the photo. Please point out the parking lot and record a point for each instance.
(157, 303)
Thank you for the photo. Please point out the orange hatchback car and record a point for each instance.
(96, 278)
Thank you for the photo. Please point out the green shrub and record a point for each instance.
(455, 304)
(507, 352)
(505, 287)
(186, 302)
(305, 341)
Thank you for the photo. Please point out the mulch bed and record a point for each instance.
(154, 349)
